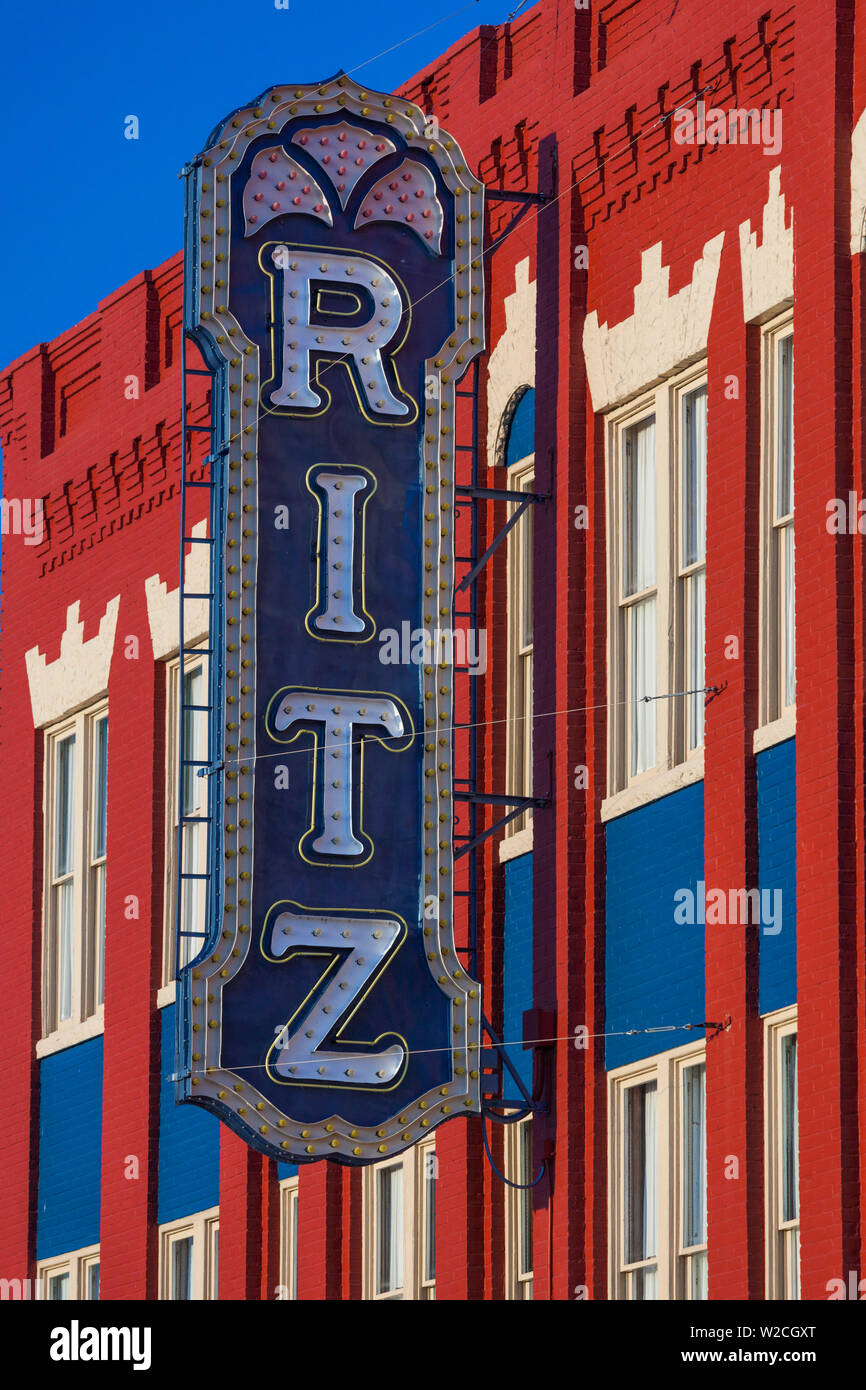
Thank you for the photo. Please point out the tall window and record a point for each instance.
(783, 520)
(76, 810)
(520, 646)
(289, 1238)
(427, 1178)
(97, 839)
(389, 1231)
(779, 646)
(658, 1201)
(657, 454)
(189, 1258)
(180, 1268)
(400, 1226)
(693, 561)
(91, 1279)
(693, 1167)
(638, 601)
(63, 879)
(640, 1268)
(518, 1209)
(783, 1157)
(191, 793)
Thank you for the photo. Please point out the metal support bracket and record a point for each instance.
(478, 494)
(495, 1060)
(525, 201)
(518, 805)
(511, 195)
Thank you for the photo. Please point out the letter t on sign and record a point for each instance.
(332, 717)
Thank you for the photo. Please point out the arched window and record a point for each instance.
(520, 437)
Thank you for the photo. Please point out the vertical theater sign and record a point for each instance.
(334, 285)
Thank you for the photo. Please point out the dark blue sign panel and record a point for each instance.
(334, 280)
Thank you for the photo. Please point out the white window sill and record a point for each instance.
(69, 1034)
(776, 732)
(515, 845)
(654, 786)
(166, 995)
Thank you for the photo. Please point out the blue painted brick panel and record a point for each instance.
(654, 967)
(777, 869)
(189, 1144)
(517, 988)
(70, 1149)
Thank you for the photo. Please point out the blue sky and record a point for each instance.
(86, 209)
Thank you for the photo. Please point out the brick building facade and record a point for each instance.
(698, 861)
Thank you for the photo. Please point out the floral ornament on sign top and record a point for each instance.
(345, 154)
(407, 196)
(277, 184)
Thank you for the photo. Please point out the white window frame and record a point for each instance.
(289, 1213)
(77, 1264)
(519, 1273)
(665, 404)
(86, 1012)
(192, 660)
(672, 1255)
(416, 1284)
(203, 1229)
(774, 704)
(691, 666)
(782, 1236)
(518, 772)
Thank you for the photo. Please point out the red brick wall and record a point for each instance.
(571, 101)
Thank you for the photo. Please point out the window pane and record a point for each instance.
(694, 471)
(640, 1172)
(694, 1156)
(64, 844)
(429, 1215)
(58, 1286)
(64, 900)
(194, 741)
(791, 1238)
(389, 1232)
(695, 620)
(642, 682)
(181, 1268)
(97, 884)
(645, 1283)
(194, 803)
(525, 524)
(640, 507)
(786, 542)
(526, 727)
(698, 1285)
(293, 1217)
(785, 460)
(215, 1262)
(525, 1199)
(92, 1284)
(790, 1130)
(99, 929)
(100, 786)
(193, 889)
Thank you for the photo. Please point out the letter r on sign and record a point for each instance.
(309, 280)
